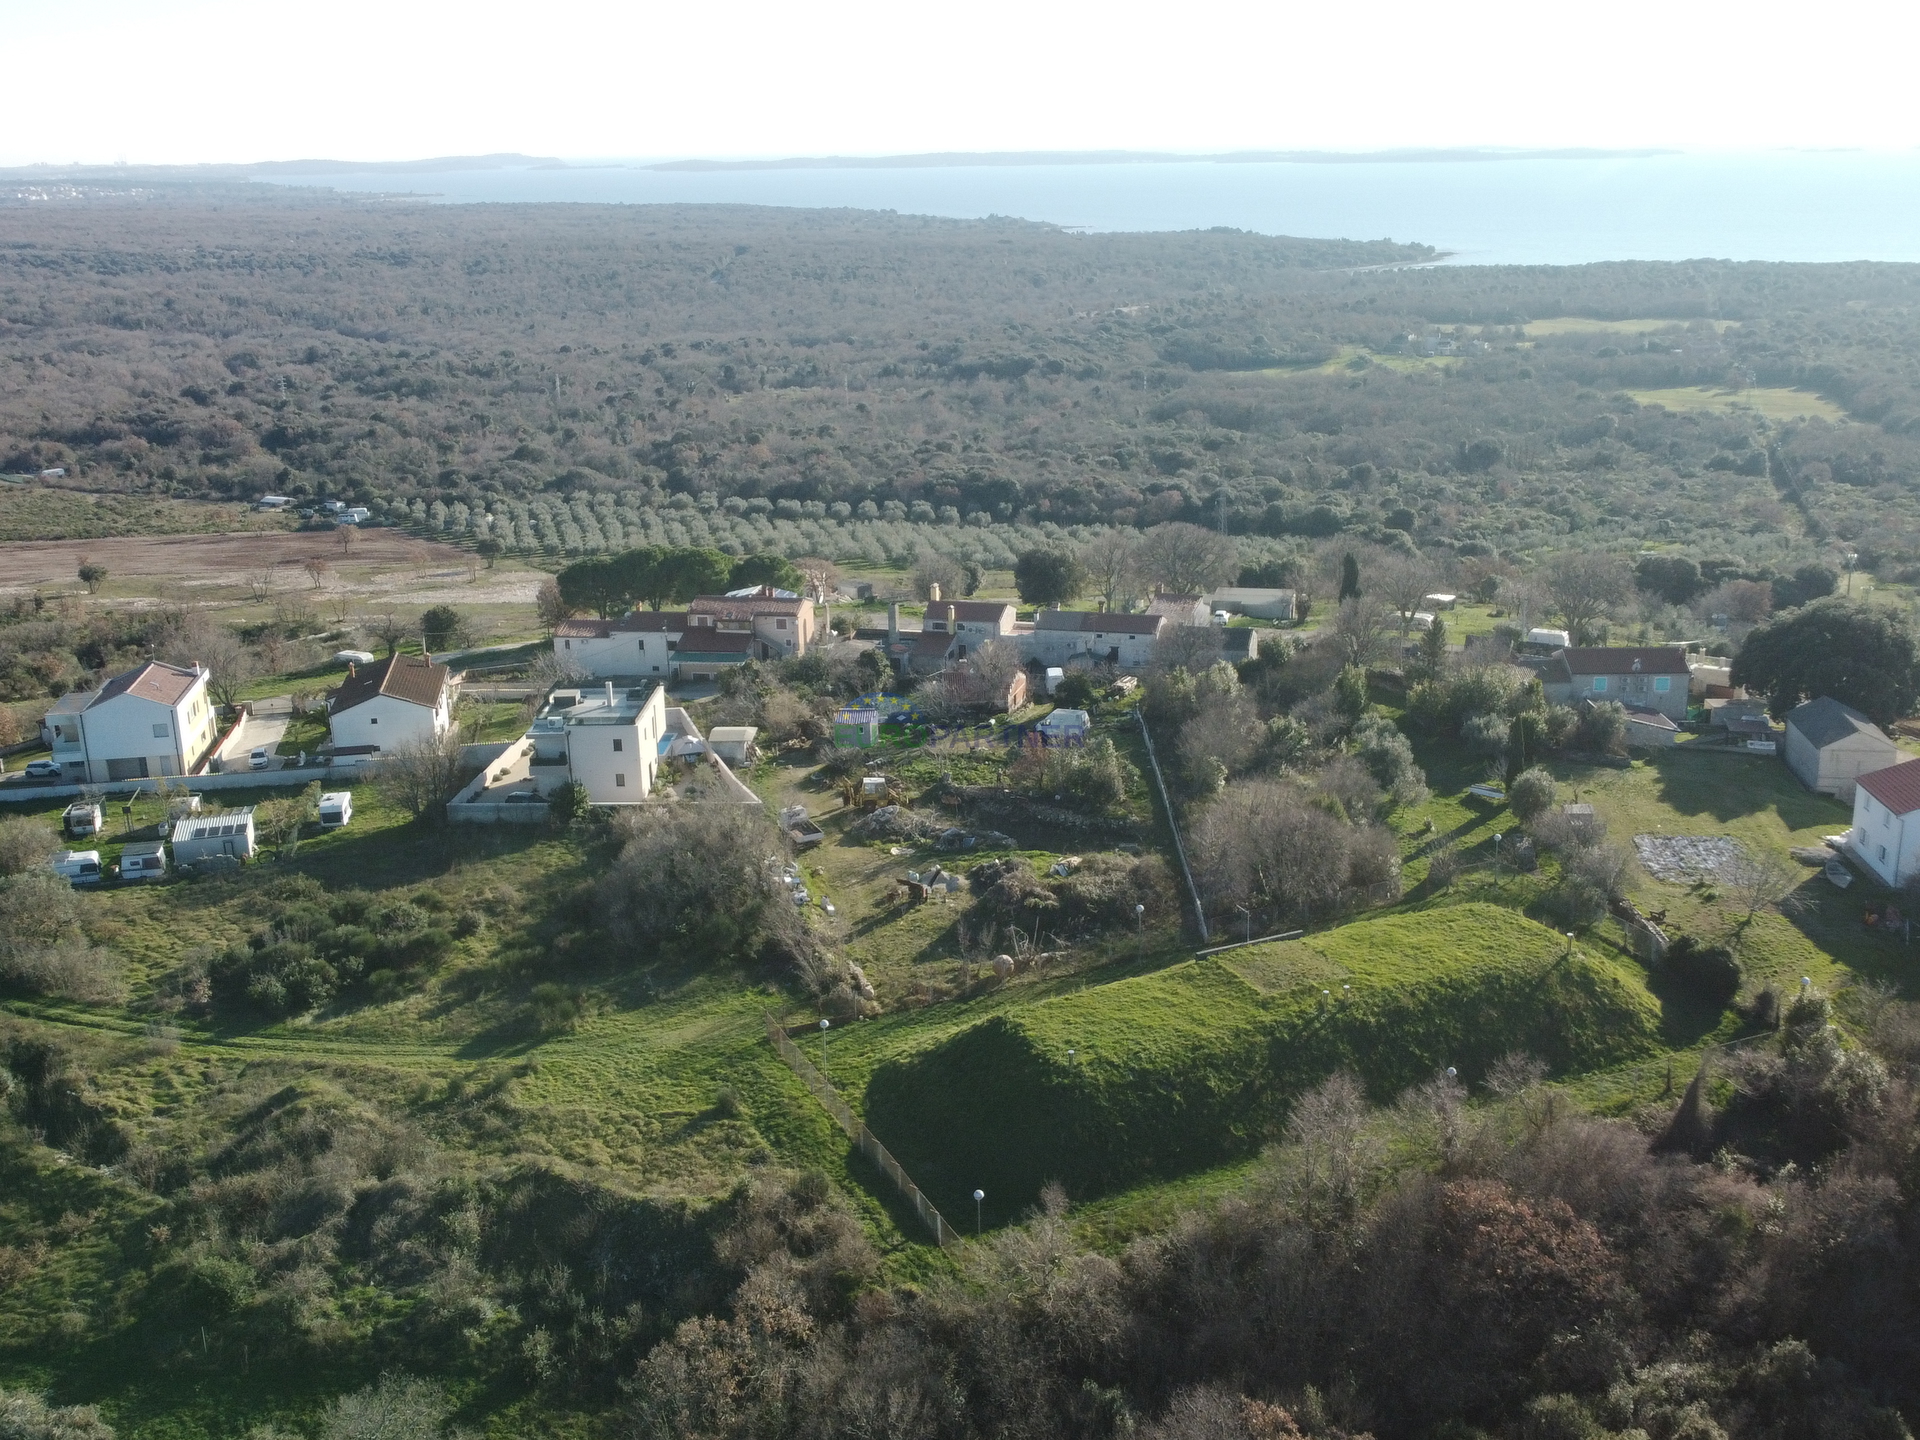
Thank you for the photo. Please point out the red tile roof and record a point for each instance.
(412, 678)
(1625, 660)
(705, 640)
(1897, 787)
(651, 622)
(156, 680)
(973, 612)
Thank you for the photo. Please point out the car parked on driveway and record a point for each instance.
(42, 770)
(259, 759)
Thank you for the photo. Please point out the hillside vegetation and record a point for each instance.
(1193, 1066)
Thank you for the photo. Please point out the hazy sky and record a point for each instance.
(241, 80)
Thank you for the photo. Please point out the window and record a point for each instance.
(1883, 852)
(567, 644)
(620, 781)
(374, 721)
(780, 624)
(1599, 684)
(619, 744)
(1662, 683)
(160, 731)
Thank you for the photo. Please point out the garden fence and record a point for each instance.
(864, 1139)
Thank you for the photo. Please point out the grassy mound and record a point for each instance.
(1195, 1065)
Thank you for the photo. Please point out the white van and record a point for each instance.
(82, 867)
(336, 809)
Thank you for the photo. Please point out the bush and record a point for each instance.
(1603, 728)
(1076, 691)
(25, 844)
(555, 1008)
(695, 882)
(1531, 794)
(1708, 973)
(25, 1416)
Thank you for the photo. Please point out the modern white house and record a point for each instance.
(384, 705)
(154, 720)
(1886, 822)
(1830, 746)
(609, 741)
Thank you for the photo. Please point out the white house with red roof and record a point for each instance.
(154, 720)
(1886, 822)
(382, 706)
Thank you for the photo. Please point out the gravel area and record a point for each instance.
(1682, 859)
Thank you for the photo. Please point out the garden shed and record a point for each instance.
(1831, 745)
(203, 837)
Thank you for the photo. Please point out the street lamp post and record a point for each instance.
(825, 1025)
(1140, 921)
(1852, 558)
(978, 1196)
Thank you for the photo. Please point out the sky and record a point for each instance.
(186, 81)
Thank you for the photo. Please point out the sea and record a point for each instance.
(1781, 205)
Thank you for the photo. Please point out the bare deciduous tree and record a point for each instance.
(1359, 626)
(821, 575)
(1112, 574)
(260, 584)
(317, 570)
(933, 568)
(230, 662)
(1585, 585)
(1181, 559)
(1403, 581)
(1756, 880)
(424, 773)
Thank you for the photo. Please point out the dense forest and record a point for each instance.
(225, 341)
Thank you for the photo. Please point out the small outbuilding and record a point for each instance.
(203, 837)
(856, 729)
(1064, 727)
(1831, 745)
(143, 860)
(732, 743)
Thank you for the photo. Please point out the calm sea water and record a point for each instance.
(1846, 205)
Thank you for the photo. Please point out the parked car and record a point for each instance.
(82, 867)
(42, 770)
(259, 759)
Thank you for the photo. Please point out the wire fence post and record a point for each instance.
(1173, 824)
(864, 1140)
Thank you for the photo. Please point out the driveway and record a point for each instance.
(266, 725)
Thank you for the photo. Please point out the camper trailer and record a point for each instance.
(83, 818)
(82, 867)
(336, 809)
(144, 860)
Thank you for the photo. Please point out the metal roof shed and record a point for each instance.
(200, 837)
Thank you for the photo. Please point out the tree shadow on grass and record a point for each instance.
(1728, 787)
(1834, 920)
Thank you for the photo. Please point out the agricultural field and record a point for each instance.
(35, 512)
(1583, 325)
(1766, 402)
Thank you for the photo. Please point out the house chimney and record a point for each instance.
(950, 627)
(933, 592)
(609, 694)
(893, 622)
(1101, 606)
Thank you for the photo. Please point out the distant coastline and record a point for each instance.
(965, 158)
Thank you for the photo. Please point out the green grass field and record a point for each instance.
(1581, 325)
(35, 512)
(1769, 402)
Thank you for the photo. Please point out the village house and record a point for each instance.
(780, 624)
(1886, 822)
(644, 643)
(1830, 746)
(1182, 609)
(1260, 604)
(389, 703)
(154, 720)
(1647, 677)
(1093, 637)
(969, 623)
